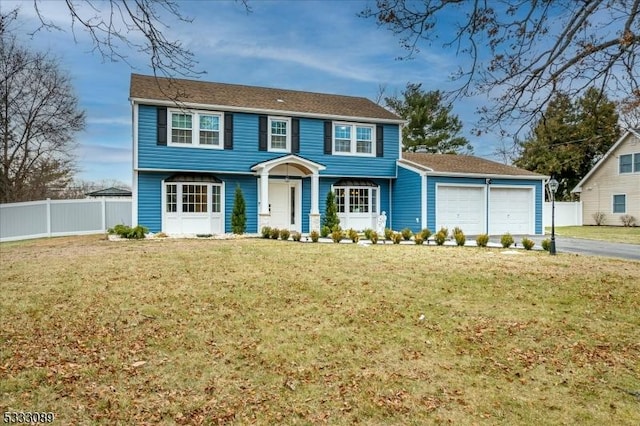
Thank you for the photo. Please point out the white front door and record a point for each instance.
(284, 204)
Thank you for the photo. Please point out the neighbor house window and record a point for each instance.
(353, 139)
(636, 162)
(620, 203)
(630, 163)
(279, 134)
(195, 129)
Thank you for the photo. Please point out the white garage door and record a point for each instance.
(461, 206)
(511, 210)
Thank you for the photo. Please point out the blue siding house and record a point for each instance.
(195, 142)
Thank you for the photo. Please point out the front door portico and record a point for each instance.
(280, 192)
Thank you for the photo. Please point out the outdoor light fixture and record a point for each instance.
(553, 187)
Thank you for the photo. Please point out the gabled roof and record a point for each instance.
(635, 132)
(255, 99)
(462, 165)
(110, 192)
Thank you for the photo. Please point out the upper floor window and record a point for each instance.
(279, 134)
(630, 163)
(201, 129)
(353, 139)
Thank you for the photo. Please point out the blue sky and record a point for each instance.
(319, 46)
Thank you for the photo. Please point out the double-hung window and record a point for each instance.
(279, 134)
(629, 163)
(195, 129)
(353, 139)
(620, 203)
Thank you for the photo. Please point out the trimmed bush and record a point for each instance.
(458, 235)
(266, 232)
(482, 240)
(284, 234)
(388, 233)
(275, 233)
(506, 240)
(296, 236)
(314, 235)
(445, 231)
(527, 243)
(367, 233)
(337, 234)
(353, 235)
(136, 233)
(440, 237)
(546, 244)
(396, 237)
(425, 233)
(373, 237)
(325, 231)
(418, 239)
(406, 234)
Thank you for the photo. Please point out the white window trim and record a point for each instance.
(372, 202)
(195, 129)
(613, 198)
(354, 138)
(269, 134)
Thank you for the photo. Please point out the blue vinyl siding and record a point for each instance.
(150, 199)
(431, 195)
(245, 153)
(407, 201)
(325, 187)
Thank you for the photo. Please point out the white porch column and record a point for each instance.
(315, 188)
(264, 215)
(314, 213)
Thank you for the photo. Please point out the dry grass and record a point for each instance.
(616, 234)
(261, 331)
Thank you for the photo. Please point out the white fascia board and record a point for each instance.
(288, 159)
(604, 158)
(413, 166)
(266, 111)
(134, 134)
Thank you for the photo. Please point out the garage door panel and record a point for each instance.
(460, 206)
(511, 210)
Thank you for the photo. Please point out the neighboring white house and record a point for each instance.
(612, 186)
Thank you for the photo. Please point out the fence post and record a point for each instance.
(48, 217)
(104, 215)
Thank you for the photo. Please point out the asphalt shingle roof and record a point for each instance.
(451, 163)
(255, 98)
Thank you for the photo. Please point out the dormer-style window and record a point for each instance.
(195, 129)
(279, 134)
(353, 139)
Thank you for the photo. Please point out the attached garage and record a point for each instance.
(477, 195)
(511, 210)
(461, 206)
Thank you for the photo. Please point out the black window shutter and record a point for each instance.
(262, 133)
(162, 126)
(228, 130)
(328, 137)
(295, 135)
(379, 140)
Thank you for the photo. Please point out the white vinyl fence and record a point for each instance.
(567, 214)
(52, 218)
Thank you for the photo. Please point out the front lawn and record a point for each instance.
(272, 332)
(616, 234)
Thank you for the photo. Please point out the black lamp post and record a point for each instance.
(553, 187)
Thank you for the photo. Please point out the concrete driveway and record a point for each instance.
(593, 247)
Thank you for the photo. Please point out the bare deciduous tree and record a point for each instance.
(39, 117)
(523, 52)
(140, 25)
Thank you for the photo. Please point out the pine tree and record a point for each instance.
(238, 217)
(331, 219)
